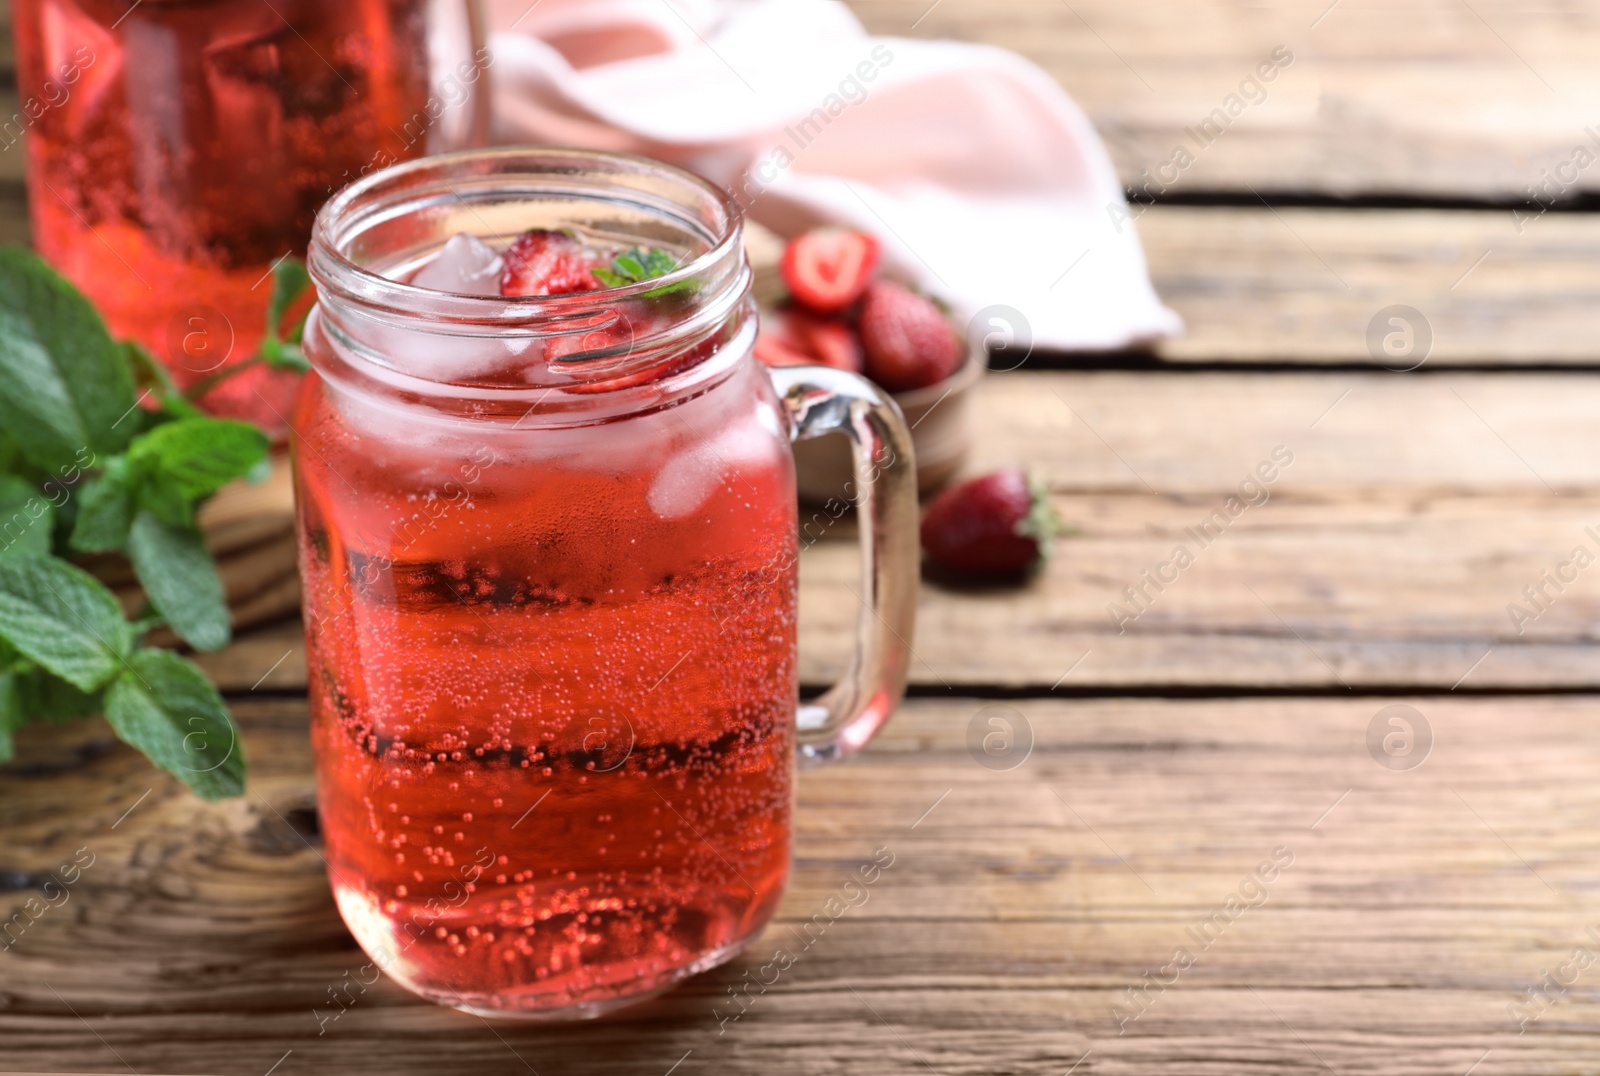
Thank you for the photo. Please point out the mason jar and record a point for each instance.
(549, 551)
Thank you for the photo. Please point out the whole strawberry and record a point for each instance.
(909, 343)
(998, 524)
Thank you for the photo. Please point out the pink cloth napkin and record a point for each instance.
(985, 182)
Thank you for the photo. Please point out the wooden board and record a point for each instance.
(1021, 905)
(1317, 285)
(1421, 905)
(1415, 511)
(1428, 98)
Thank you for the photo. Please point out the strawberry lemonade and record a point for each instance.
(554, 685)
(548, 536)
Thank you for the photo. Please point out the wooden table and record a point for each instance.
(1071, 913)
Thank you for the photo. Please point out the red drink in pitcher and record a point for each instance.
(177, 149)
(549, 545)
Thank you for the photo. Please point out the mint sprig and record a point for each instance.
(280, 342)
(280, 347)
(100, 453)
(635, 266)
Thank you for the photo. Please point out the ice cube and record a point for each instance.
(684, 484)
(441, 356)
(466, 266)
(693, 473)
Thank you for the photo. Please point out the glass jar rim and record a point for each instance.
(332, 267)
(399, 216)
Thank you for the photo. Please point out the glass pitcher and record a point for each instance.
(549, 552)
(179, 149)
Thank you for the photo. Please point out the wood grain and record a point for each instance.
(1021, 906)
(1307, 285)
(1421, 905)
(1429, 98)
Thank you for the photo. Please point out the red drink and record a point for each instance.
(558, 770)
(548, 546)
(176, 150)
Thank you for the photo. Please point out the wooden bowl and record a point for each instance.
(941, 421)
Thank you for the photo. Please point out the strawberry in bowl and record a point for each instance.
(827, 269)
(831, 306)
(909, 341)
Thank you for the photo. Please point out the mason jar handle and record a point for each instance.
(822, 400)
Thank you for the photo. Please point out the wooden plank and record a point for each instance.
(1415, 511)
(1428, 98)
(1308, 285)
(1021, 906)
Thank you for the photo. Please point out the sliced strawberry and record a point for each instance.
(997, 524)
(909, 342)
(659, 372)
(827, 269)
(635, 321)
(831, 343)
(793, 337)
(775, 351)
(542, 262)
(628, 322)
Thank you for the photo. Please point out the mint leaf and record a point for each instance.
(49, 698)
(66, 381)
(36, 693)
(636, 265)
(284, 356)
(182, 462)
(166, 708)
(26, 519)
(64, 619)
(180, 579)
(289, 280)
(12, 715)
(148, 373)
(280, 347)
(105, 510)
